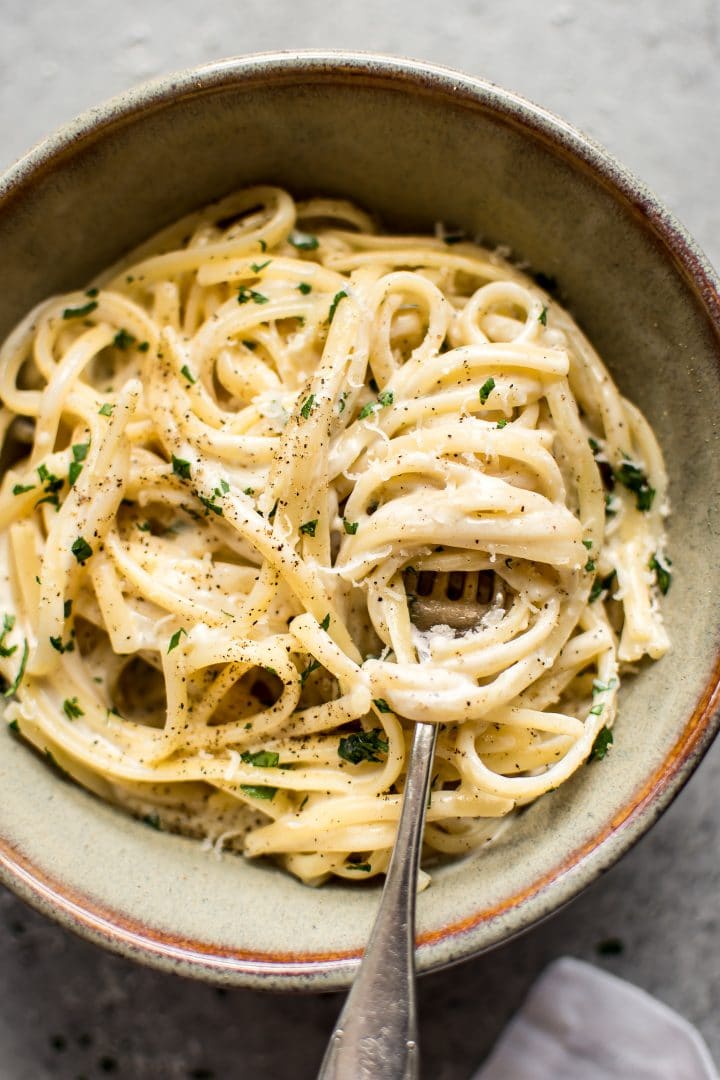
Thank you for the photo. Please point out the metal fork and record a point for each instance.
(375, 1037)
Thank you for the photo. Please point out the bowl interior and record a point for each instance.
(418, 146)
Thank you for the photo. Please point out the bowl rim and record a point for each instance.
(459, 940)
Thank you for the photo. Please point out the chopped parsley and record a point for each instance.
(106, 409)
(81, 550)
(335, 301)
(175, 639)
(307, 407)
(251, 345)
(386, 398)
(588, 544)
(245, 295)
(351, 527)
(14, 726)
(362, 746)
(542, 317)
(590, 566)
(486, 389)
(185, 370)
(67, 609)
(305, 287)
(210, 504)
(634, 479)
(261, 759)
(602, 743)
(325, 624)
(258, 792)
(663, 577)
(502, 423)
(123, 340)
(305, 675)
(596, 710)
(21, 671)
(341, 401)
(143, 346)
(181, 467)
(364, 866)
(59, 646)
(71, 708)
(7, 625)
(248, 491)
(79, 452)
(257, 267)
(144, 526)
(79, 312)
(303, 241)
(20, 489)
(308, 527)
(601, 585)
(381, 705)
(599, 687)
(91, 292)
(52, 483)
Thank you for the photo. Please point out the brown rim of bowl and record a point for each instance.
(439, 948)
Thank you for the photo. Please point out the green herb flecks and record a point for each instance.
(602, 744)
(381, 705)
(601, 585)
(325, 624)
(634, 479)
(256, 791)
(303, 241)
(308, 527)
(245, 295)
(335, 301)
(106, 409)
(79, 312)
(486, 389)
(175, 639)
(663, 577)
(351, 527)
(12, 689)
(305, 675)
(123, 340)
(307, 407)
(542, 317)
(305, 287)
(261, 759)
(181, 467)
(81, 550)
(20, 489)
(71, 708)
(185, 370)
(257, 267)
(362, 746)
(51, 486)
(7, 625)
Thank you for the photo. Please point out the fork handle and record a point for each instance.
(375, 1037)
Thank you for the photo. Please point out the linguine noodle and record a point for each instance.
(260, 469)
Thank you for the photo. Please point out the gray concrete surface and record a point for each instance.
(644, 79)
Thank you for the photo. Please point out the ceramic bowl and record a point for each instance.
(418, 144)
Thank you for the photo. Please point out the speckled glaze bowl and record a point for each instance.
(418, 144)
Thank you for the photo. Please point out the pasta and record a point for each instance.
(279, 485)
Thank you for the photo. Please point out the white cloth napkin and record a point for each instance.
(579, 1023)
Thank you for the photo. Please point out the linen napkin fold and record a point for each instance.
(580, 1023)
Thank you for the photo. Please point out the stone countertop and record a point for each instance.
(644, 80)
